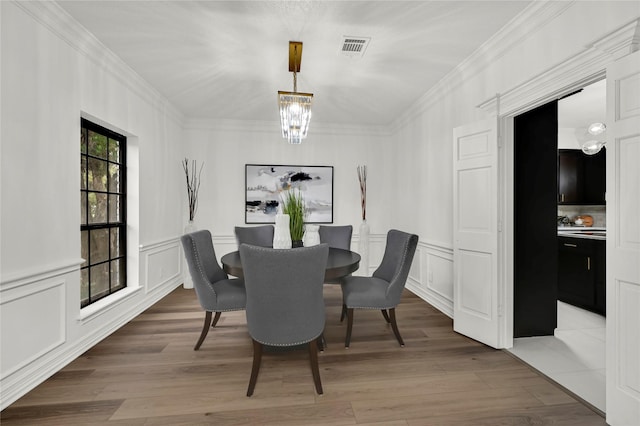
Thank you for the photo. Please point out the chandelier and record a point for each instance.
(295, 108)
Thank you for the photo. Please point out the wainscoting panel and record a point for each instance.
(475, 297)
(628, 341)
(160, 263)
(431, 276)
(32, 319)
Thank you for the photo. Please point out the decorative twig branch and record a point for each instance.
(362, 178)
(193, 185)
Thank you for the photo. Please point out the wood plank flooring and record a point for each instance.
(147, 373)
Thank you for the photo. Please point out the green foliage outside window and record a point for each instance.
(102, 207)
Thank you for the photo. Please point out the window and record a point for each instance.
(103, 212)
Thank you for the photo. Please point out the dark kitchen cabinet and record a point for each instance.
(581, 178)
(601, 277)
(581, 273)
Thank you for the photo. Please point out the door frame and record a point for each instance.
(506, 170)
(506, 175)
(583, 69)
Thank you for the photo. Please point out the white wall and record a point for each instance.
(547, 34)
(225, 148)
(52, 73)
(567, 138)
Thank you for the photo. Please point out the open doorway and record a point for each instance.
(563, 339)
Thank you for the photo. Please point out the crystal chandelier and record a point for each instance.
(295, 108)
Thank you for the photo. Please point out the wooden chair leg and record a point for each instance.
(344, 312)
(257, 359)
(315, 371)
(205, 329)
(394, 326)
(215, 319)
(322, 343)
(347, 340)
(386, 316)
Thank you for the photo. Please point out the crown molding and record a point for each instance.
(530, 20)
(576, 72)
(53, 17)
(621, 42)
(273, 127)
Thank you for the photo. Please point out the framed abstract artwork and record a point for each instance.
(266, 183)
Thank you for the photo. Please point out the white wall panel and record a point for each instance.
(629, 97)
(475, 297)
(470, 147)
(440, 275)
(473, 209)
(629, 193)
(628, 340)
(32, 323)
(431, 276)
(162, 262)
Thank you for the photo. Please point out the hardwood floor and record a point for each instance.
(147, 373)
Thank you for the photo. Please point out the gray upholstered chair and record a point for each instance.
(384, 289)
(255, 235)
(216, 292)
(336, 236)
(285, 306)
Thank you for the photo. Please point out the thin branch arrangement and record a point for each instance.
(362, 178)
(193, 185)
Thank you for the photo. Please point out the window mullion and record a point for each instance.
(102, 146)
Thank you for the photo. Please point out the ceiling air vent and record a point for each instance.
(354, 46)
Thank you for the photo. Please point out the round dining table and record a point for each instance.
(340, 263)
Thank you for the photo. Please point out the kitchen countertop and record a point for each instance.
(592, 233)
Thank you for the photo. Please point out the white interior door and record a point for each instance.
(475, 228)
(623, 241)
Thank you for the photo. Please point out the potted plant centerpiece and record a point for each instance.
(293, 205)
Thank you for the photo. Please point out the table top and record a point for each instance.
(340, 263)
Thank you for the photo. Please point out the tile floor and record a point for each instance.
(574, 357)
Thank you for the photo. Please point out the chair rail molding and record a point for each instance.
(36, 275)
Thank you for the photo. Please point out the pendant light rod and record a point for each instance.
(295, 56)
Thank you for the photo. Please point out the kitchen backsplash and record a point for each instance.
(599, 213)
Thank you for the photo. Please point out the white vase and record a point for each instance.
(282, 234)
(311, 235)
(189, 228)
(363, 247)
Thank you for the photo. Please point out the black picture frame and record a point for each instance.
(265, 183)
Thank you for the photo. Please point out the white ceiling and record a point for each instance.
(581, 109)
(228, 59)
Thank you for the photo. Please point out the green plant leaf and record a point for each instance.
(293, 205)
